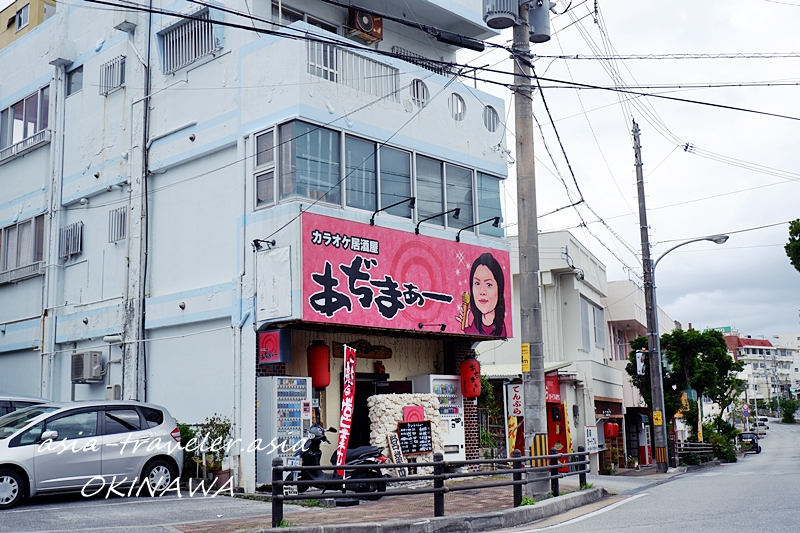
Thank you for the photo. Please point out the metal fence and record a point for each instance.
(542, 468)
(703, 449)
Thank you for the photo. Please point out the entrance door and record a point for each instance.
(365, 387)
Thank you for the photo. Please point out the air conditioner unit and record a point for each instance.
(87, 366)
(368, 27)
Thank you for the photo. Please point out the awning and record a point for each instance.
(644, 418)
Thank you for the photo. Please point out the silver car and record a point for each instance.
(86, 446)
(11, 402)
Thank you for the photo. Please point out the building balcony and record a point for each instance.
(23, 272)
(24, 146)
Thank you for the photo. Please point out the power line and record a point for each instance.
(611, 57)
(729, 232)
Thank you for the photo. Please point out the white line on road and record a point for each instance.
(587, 515)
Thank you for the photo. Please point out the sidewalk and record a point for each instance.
(467, 505)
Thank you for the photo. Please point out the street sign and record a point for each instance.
(591, 439)
(657, 418)
(525, 353)
(640, 362)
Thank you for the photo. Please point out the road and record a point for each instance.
(759, 493)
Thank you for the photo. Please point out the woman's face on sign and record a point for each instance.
(484, 290)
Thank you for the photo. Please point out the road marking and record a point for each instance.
(710, 474)
(587, 515)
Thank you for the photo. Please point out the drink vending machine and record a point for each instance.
(284, 415)
(451, 411)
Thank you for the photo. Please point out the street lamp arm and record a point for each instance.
(718, 239)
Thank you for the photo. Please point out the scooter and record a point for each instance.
(356, 480)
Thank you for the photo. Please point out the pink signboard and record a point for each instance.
(363, 275)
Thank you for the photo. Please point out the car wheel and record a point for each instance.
(759, 450)
(159, 474)
(11, 488)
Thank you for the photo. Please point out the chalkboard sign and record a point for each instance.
(415, 437)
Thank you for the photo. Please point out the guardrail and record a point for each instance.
(533, 468)
(703, 449)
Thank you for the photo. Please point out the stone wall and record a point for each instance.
(386, 410)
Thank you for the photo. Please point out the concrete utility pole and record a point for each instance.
(530, 306)
(656, 380)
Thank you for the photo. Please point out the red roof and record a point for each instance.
(754, 342)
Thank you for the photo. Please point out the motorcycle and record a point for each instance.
(361, 480)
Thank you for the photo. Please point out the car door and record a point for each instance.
(73, 458)
(126, 443)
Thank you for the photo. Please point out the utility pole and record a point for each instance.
(656, 379)
(530, 305)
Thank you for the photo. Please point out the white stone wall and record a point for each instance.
(386, 410)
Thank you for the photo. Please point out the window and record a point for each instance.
(112, 75)
(419, 93)
(265, 168)
(187, 41)
(70, 240)
(116, 224)
(22, 17)
(24, 118)
(286, 16)
(459, 194)
(22, 244)
(309, 162)
(153, 417)
(585, 326)
(458, 109)
(430, 186)
(395, 180)
(74, 80)
(599, 327)
(121, 421)
(489, 203)
(490, 118)
(74, 426)
(361, 173)
(353, 70)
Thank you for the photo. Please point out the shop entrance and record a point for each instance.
(368, 384)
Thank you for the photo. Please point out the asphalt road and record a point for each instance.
(757, 494)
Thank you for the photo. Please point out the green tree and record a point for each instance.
(793, 246)
(672, 395)
(789, 407)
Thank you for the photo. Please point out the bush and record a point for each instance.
(187, 434)
(691, 459)
(788, 408)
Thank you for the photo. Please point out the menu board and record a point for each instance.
(415, 437)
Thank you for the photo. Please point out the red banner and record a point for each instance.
(552, 388)
(348, 395)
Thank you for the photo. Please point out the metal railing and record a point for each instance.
(703, 449)
(545, 467)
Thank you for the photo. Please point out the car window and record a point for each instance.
(154, 417)
(29, 437)
(121, 421)
(74, 426)
(13, 422)
(5, 408)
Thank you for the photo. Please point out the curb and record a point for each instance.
(703, 466)
(459, 524)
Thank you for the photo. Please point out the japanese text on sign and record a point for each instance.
(356, 244)
(514, 399)
(591, 439)
(388, 301)
(415, 437)
(525, 352)
(348, 394)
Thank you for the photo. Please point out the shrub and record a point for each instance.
(187, 434)
(691, 459)
(788, 408)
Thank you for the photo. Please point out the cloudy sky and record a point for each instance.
(740, 171)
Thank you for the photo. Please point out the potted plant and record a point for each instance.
(614, 457)
(214, 435)
(633, 462)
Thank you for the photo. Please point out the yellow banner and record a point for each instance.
(525, 350)
(657, 418)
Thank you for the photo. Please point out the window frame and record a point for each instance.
(23, 13)
(7, 128)
(70, 77)
(283, 146)
(458, 107)
(36, 254)
(201, 16)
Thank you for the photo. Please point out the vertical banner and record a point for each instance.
(273, 284)
(348, 394)
(515, 433)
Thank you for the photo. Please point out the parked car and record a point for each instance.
(748, 442)
(760, 428)
(764, 420)
(33, 460)
(10, 403)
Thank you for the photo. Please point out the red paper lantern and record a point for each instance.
(611, 430)
(319, 364)
(471, 378)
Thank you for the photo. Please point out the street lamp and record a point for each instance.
(654, 342)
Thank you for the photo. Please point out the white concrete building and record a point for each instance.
(143, 153)
(573, 285)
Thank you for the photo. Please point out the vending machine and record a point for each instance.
(451, 411)
(284, 416)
